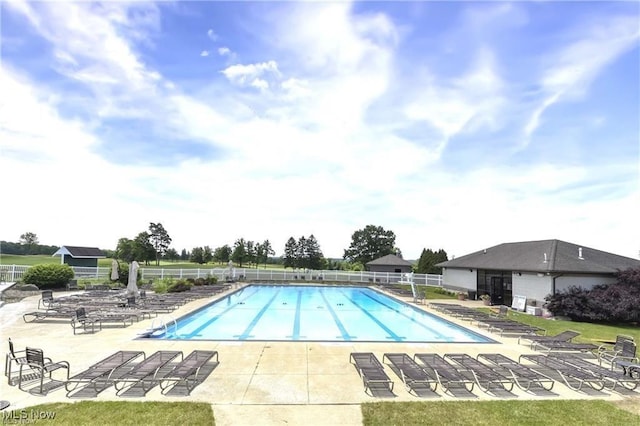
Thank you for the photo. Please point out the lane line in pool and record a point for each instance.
(380, 324)
(245, 335)
(343, 330)
(399, 312)
(214, 318)
(399, 308)
(296, 320)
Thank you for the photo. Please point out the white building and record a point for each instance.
(533, 269)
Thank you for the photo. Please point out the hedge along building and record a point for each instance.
(80, 256)
(533, 269)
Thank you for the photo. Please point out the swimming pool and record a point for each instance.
(314, 313)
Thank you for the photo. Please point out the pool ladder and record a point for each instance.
(163, 324)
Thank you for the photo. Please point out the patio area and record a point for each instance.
(255, 382)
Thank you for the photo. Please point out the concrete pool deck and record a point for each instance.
(264, 383)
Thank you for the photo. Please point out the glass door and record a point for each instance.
(497, 291)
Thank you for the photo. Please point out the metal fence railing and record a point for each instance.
(12, 273)
(278, 275)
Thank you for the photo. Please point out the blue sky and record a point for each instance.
(456, 125)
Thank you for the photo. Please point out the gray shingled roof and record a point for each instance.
(390, 260)
(86, 252)
(530, 256)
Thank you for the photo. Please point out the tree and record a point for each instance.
(197, 255)
(207, 254)
(290, 250)
(300, 249)
(222, 254)
(29, 239)
(428, 260)
(440, 256)
(250, 250)
(239, 254)
(124, 250)
(142, 248)
(19, 248)
(313, 257)
(171, 254)
(263, 251)
(184, 254)
(160, 239)
(370, 243)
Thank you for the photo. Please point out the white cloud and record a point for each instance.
(248, 74)
(204, 53)
(474, 99)
(572, 68)
(259, 83)
(296, 88)
(224, 51)
(212, 35)
(300, 155)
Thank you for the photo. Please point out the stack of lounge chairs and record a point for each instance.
(611, 378)
(499, 324)
(91, 310)
(559, 346)
(132, 373)
(564, 336)
(624, 348)
(576, 371)
(456, 374)
(575, 378)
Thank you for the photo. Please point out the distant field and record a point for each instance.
(14, 259)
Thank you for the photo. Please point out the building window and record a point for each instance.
(497, 284)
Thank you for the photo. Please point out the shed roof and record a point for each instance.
(390, 260)
(544, 256)
(80, 252)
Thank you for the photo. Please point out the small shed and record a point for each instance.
(80, 256)
(389, 263)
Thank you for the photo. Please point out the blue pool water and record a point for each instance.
(315, 313)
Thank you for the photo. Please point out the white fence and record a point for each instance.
(11, 273)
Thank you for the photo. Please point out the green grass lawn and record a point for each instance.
(548, 413)
(125, 413)
(473, 413)
(37, 259)
(589, 333)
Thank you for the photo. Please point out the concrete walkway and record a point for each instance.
(264, 383)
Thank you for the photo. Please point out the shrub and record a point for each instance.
(210, 280)
(199, 281)
(618, 302)
(161, 286)
(48, 276)
(179, 286)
